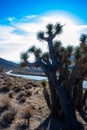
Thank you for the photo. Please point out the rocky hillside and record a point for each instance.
(5, 64)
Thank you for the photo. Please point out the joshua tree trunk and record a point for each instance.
(84, 104)
(55, 104)
(66, 108)
(80, 96)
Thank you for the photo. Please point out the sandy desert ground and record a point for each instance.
(23, 107)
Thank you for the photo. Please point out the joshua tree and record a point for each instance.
(63, 81)
(81, 63)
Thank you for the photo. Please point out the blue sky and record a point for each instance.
(20, 8)
(20, 20)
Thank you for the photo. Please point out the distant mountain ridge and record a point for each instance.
(6, 64)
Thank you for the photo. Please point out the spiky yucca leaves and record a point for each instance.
(40, 35)
(45, 57)
(32, 49)
(49, 29)
(24, 56)
(83, 44)
(83, 38)
(58, 28)
(69, 49)
(57, 45)
(77, 52)
(43, 83)
(35, 51)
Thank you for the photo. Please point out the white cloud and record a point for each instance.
(30, 17)
(19, 35)
(10, 19)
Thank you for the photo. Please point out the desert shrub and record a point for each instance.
(20, 95)
(22, 99)
(28, 93)
(17, 89)
(23, 88)
(27, 114)
(35, 85)
(37, 90)
(28, 86)
(43, 83)
(5, 88)
(4, 104)
(11, 94)
(7, 118)
(21, 126)
(31, 83)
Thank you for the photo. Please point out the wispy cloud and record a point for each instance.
(20, 34)
(10, 19)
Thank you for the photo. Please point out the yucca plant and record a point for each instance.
(43, 83)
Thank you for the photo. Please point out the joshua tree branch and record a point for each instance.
(35, 64)
(43, 65)
(51, 53)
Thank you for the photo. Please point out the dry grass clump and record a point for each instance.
(11, 80)
(20, 95)
(6, 84)
(37, 90)
(4, 104)
(7, 118)
(27, 114)
(28, 86)
(21, 126)
(10, 94)
(31, 83)
(28, 93)
(35, 85)
(4, 88)
(22, 100)
(17, 89)
(8, 81)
